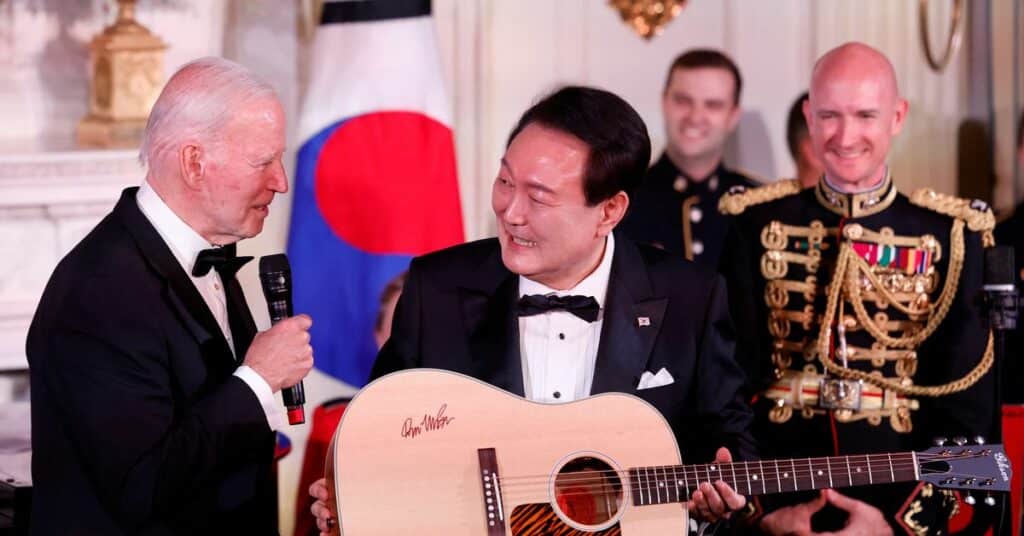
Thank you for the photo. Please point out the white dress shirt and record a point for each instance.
(558, 348)
(186, 244)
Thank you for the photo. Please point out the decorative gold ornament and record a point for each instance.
(648, 17)
(956, 35)
(127, 76)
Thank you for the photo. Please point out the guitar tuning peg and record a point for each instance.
(940, 441)
(969, 499)
(960, 441)
(979, 440)
(990, 500)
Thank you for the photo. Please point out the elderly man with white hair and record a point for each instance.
(152, 393)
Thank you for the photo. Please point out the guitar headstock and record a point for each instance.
(969, 467)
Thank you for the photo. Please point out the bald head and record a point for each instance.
(853, 112)
(856, 61)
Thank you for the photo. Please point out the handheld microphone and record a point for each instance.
(1000, 288)
(276, 277)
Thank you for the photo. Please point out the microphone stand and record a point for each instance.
(1002, 305)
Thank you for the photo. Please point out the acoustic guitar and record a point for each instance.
(431, 452)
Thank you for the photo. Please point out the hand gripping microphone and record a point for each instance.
(276, 277)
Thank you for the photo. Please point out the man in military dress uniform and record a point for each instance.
(676, 207)
(862, 302)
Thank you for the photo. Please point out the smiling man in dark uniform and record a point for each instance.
(676, 206)
(866, 334)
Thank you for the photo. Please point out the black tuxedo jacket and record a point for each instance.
(138, 426)
(457, 312)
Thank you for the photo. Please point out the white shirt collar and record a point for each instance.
(595, 284)
(183, 240)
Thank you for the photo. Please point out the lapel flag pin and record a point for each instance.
(643, 321)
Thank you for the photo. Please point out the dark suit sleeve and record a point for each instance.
(722, 414)
(108, 369)
(401, 351)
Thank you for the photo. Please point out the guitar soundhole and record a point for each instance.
(588, 492)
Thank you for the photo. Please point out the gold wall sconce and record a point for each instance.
(648, 17)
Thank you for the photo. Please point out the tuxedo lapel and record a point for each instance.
(489, 315)
(632, 319)
(181, 293)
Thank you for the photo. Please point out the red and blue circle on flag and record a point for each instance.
(371, 192)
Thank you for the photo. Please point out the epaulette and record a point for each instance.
(975, 212)
(738, 198)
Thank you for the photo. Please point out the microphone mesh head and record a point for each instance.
(274, 263)
(999, 266)
(276, 278)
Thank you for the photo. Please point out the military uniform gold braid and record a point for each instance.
(848, 260)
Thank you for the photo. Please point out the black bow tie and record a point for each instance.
(222, 259)
(584, 307)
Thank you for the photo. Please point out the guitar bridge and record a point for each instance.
(494, 511)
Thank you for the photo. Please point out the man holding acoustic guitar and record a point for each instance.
(559, 307)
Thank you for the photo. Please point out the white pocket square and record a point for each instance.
(650, 381)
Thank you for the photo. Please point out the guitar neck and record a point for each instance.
(675, 483)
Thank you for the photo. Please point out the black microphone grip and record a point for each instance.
(276, 278)
(1000, 288)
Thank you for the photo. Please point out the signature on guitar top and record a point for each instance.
(433, 452)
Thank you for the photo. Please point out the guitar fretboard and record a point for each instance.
(676, 483)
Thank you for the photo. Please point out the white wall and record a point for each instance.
(1006, 116)
(521, 49)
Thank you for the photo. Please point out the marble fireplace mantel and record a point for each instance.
(50, 197)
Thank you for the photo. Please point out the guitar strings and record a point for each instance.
(656, 473)
(654, 495)
(799, 478)
(755, 484)
(877, 465)
(604, 488)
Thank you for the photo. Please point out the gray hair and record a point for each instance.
(196, 103)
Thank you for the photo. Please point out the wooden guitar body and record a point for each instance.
(407, 459)
(434, 452)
